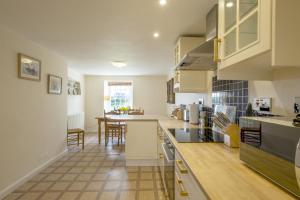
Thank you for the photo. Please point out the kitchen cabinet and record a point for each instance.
(184, 45)
(257, 36)
(160, 155)
(170, 91)
(186, 187)
(186, 81)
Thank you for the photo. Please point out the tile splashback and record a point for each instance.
(231, 93)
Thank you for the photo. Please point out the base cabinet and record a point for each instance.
(186, 187)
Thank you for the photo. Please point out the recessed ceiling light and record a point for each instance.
(119, 64)
(229, 4)
(162, 2)
(156, 35)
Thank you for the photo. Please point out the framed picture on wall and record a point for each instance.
(54, 84)
(29, 68)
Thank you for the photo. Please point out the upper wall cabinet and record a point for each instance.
(185, 45)
(257, 36)
(186, 81)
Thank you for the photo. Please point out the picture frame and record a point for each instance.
(29, 68)
(74, 87)
(54, 84)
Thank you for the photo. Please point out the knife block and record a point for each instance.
(233, 131)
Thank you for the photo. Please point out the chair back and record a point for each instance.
(136, 112)
(113, 112)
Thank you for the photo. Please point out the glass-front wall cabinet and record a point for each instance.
(240, 25)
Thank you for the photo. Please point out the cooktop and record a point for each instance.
(196, 135)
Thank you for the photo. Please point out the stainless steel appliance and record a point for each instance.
(202, 57)
(168, 167)
(272, 150)
(186, 115)
(196, 135)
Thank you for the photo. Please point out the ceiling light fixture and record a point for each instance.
(156, 35)
(119, 64)
(162, 2)
(229, 4)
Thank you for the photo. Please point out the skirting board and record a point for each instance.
(30, 175)
(141, 163)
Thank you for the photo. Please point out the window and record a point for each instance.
(117, 94)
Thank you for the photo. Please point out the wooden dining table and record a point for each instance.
(117, 118)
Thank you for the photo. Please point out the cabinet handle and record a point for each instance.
(181, 187)
(217, 42)
(181, 167)
(161, 156)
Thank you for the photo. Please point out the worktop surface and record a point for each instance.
(135, 117)
(284, 121)
(220, 172)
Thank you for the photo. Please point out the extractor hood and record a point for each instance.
(202, 57)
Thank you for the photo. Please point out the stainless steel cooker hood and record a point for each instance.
(202, 57)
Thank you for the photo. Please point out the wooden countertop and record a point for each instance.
(284, 121)
(220, 172)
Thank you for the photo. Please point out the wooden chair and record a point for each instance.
(113, 129)
(136, 112)
(123, 125)
(75, 137)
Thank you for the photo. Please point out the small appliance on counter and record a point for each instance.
(186, 115)
(194, 114)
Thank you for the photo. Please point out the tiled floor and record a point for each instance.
(97, 173)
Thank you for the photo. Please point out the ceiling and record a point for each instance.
(90, 34)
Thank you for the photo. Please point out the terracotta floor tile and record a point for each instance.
(42, 186)
(146, 195)
(89, 196)
(31, 196)
(53, 177)
(69, 177)
(129, 185)
(146, 185)
(69, 196)
(94, 186)
(128, 195)
(108, 196)
(50, 196)
(112, 185)
(59, 186)
(76, 186)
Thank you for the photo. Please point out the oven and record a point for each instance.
(168, 168)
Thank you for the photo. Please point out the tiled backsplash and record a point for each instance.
(231, 93)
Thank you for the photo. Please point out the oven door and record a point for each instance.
(169, 169)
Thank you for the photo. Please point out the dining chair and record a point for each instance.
(136, 112)
(75, 137)
(112, 129)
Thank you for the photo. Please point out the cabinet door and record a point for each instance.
(244, 29)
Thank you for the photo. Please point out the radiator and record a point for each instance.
(76, 121)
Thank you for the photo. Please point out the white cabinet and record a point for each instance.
(256, 36)
(184, 45)
(190, 81)
(186, 187)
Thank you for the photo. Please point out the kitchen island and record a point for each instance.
(141, 138)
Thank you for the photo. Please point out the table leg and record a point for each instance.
(83, 140)
(99, 131)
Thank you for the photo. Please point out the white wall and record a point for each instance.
(283, 90)
(33, 123)
(76, 102)
(149, 93)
